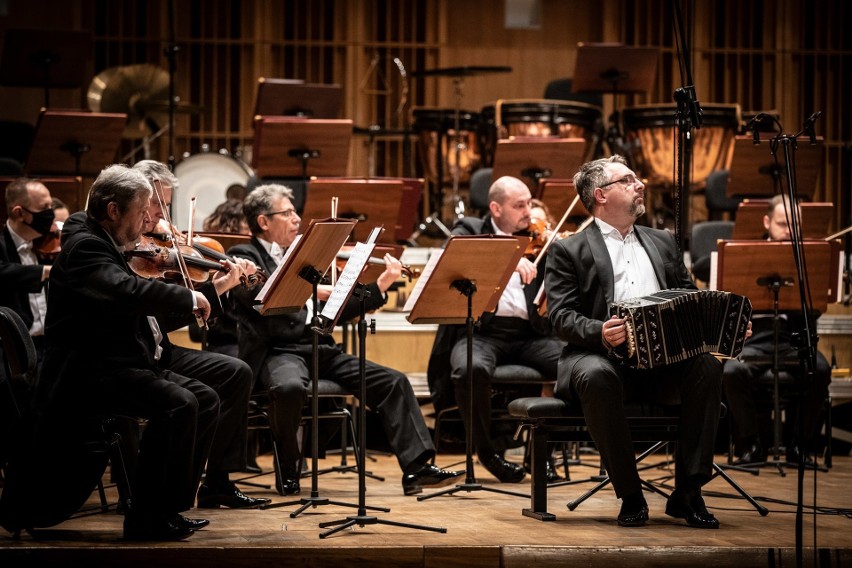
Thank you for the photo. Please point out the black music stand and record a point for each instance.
(446, 293)
(74, 142)
(533, 159)
(45, 58)
(349, 280)
(286, 291)
(773, 286)
(371, 202)
(754, 172)
(290, 147)
(295, 98)
(614, 68)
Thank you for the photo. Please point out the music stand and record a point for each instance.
(816, 220)
(533, 159)
(773, 286)
(290, 147)
(614, 68)
(350, 280)
(558, 194)
(371, 202)
(45, 58)
(446, 293)
(286, 291)
(754, 172)
(295, 98)
(74, 142)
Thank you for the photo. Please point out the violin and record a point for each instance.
(47, 247)
(152, 260)
(407, 271)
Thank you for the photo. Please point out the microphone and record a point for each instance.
(752, 124)
(808, 127)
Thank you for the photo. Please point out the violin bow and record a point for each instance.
(184, 271)
(555, 232)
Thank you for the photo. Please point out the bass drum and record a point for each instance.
(207, 177)
(539, 118)
(651, 137)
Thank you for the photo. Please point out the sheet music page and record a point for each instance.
(539, 296)
(421, 282)
(261, 296)
(714, 267)
(346, 280)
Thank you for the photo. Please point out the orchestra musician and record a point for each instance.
(515, 333)
(24, 273)
(279, 350)
(740, 375)
(613, 259)
(107, 353)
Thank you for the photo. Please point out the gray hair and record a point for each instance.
(259, 202)
(593, 175)
(154, 170)
(118, 183)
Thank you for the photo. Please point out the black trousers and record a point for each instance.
(507, 341)
(286, 375)
(602, 386)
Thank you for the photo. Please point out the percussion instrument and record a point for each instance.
(538, 118)
(651, 136)
(673, 325)
(436, 143)
(205, 176)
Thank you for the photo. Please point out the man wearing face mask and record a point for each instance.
(23, 277)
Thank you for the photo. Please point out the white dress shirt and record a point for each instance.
(38, 300)
(632, 270)
(513, 303)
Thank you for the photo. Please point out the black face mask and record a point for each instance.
(42, 220)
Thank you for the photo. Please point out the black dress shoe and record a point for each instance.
(253, 468)
(505, 471)
(694, 512)
(287, 485)
(633, 514)
(428, 476)
(228, 496)
(187, 523)
(551, 473)
(793, 457)
(153, 529)
(754, 454)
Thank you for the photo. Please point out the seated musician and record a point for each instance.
(611, 260)
(107, 354)
(740, 375)
(514, 334)
(279, 350)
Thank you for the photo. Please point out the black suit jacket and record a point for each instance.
(259, 335)
(16, 280)
(580, 285)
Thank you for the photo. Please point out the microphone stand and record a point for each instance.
(805, 341)
(171, 55)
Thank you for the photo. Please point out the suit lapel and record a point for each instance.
(599, 252)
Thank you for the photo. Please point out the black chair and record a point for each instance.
(719, 205)
(57, 503)
(702, 243)
(480, 183)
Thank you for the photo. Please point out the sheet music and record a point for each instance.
(347, 279)
(714, 268)
(421, 282)
(261, 296)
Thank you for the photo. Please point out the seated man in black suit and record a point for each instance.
(279, 350)
(612, 260)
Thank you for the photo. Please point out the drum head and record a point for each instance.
(206, 177)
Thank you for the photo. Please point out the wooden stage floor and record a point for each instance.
(483, 529)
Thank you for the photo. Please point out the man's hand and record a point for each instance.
(527, 270)
(393, 270)
(203, 310)
(613, 332)
(226, 279)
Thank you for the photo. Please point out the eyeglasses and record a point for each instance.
(286, 212)
(626, 180)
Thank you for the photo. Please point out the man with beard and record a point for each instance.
(613, 260)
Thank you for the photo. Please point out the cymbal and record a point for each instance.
(463, 71)
(140, 91)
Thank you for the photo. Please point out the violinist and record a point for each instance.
(23, 272)
(279, 350)
(515, 333)
(107, 353)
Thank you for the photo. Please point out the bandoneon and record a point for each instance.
(676, 324)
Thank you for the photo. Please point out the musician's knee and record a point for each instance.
(598, 382)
